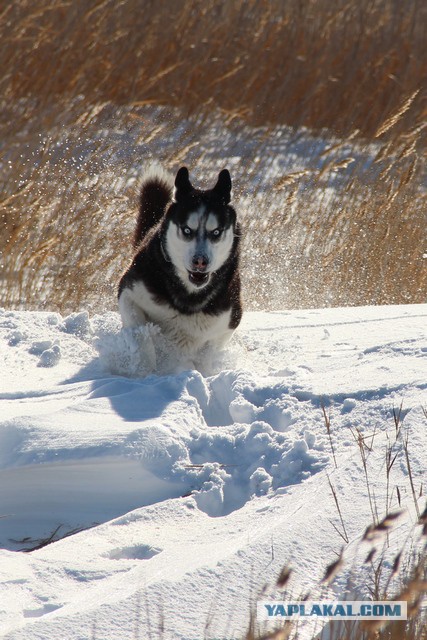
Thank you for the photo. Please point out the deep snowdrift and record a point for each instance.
(199, 486)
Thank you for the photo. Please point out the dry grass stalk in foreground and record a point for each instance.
(376, 569)
(411, 574)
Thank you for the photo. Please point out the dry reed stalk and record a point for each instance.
(411, 479)
(343, 534)
(327, 418)
(363, 449)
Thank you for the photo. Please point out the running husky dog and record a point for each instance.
(184, 276)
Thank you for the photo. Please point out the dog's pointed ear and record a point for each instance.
(222, 188)
(183, 185)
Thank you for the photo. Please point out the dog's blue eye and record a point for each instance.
(216, 233)
(187, 231)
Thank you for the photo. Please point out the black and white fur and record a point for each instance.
(184, 276)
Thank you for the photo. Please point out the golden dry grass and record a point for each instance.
(77, 82)
(341, 64)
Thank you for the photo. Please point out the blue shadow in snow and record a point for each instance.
(134, 399)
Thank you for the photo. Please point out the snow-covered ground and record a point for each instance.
(199, 486)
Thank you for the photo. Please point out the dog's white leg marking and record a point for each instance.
(131, 313)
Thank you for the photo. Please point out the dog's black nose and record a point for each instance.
(200, 263)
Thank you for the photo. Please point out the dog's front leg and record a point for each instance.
(132, 314)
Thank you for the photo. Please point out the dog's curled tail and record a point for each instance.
(156, 193)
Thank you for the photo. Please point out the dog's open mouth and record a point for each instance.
(199, 278)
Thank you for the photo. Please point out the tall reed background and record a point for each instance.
(318, 107)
